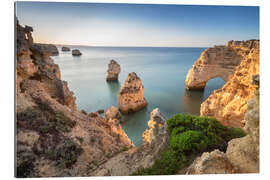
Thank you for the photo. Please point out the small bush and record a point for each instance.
(189, 136)
(24, 169)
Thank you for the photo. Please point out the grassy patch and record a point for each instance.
(189, 136)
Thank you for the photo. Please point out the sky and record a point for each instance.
(97, 24)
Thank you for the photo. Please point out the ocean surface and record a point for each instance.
(162, 71)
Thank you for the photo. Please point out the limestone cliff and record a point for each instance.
(242, 154)
(218, 61)
(52, 137)
(131, 96)
(229, 103)
(113, 71)
(127, 162)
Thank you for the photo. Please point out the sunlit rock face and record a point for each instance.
(131, 96)
(218, 61)
(113, 71)
(136, 158)
(242, 154)
(229, 103)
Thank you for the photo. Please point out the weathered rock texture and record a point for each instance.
(229, 103)
(219, 61)
(242, 154)
(49, 49)
(113, 71)
(127, 162)
(112, 113)
(76, 52)
(52, 137)
(131, 96)
(64, 48)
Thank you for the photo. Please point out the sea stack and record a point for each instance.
(64, 48)
(113, 71)
(76, 52)
(131, 96)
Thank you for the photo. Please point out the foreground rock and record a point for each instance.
(76, 52)
(113, 71)
(64, 48)
(134, 159)
(112, 113)
(229, 103)
(52, 137)
(131, 96)
(242, 154)
(219, 61)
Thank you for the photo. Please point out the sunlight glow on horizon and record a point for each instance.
(138, 25)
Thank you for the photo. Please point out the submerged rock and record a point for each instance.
(76, 52)
(64, 48)
(131, 96)
(113, 71)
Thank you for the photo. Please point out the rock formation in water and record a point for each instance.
(229, 103)
(131, 96)
(112, 113)
(134, 159)
(76, 52)
(218, 61)
(49, 49)
(52, 137)
(64, 48)
(113, 71)
(242, 154)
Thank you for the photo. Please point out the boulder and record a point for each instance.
(113, 71)
(112, 113)
(131, 96)
(76, 52)
(64, 48)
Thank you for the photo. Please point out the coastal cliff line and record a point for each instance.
(53, 138)
(235, 63)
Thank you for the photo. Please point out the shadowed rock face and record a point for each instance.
(52, 137)
(218, 61)
(113, 71)
(229, 103)
(131, 96)
(49, 49)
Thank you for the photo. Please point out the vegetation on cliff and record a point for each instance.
(189, 136)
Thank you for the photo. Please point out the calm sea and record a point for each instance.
(162, 70)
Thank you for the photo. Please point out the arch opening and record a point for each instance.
(211, 85)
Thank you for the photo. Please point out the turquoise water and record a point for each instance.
(162, 71)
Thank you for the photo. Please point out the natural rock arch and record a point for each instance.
(219, 61)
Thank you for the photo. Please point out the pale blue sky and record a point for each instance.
(138, 25)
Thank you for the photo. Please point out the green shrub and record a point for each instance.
(189, 136)
(24, 169)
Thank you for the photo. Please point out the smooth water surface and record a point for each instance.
(162, 71)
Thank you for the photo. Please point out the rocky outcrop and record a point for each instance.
(229, 103)
(76, 52)
(112, 113)
(134, 159)
(52, 137)
(49, 49)
(131, 96)
(113, 71)
(218, 61)
(242, 154)
(215, 162)
(64, 48)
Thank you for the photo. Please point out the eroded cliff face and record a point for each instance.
(131, 96)
(155, 141)
(218, 61)
(52, 137)
(242, 154)
(229, 103)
